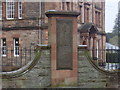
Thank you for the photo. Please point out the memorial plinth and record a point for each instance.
(63, 41)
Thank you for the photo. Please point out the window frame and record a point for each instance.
(10, 13)
(3, 46)
(19, 9)
(16, 46)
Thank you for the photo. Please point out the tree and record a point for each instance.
(116, 26)
(114, 40)
(113, 37)
(109, 36)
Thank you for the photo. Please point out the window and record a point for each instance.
(80, 16)
(63, 6)
(16, 46)
(10, 4)
(0, 10)
(97, 18)
(10, 9)
(3, 43)
(20, 10)
(86, 14)
(72, 6)
(68, 5)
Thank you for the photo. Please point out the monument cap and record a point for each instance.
(59, 13)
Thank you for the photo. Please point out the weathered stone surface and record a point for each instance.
(89, 77)
(64, 44)
(38, 77)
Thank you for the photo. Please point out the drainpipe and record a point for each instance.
(92, 12)
(119, 33)
(40, 22)
(83, 11)
(119, 25)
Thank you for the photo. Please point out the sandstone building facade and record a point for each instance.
(24, 24)
(91, 24)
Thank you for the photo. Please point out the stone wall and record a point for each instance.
(38, 77)
(31, 36)
(89, 77)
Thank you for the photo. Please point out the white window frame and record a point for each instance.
(0, 10)
(3, 48)
(16, 55)
(10, 9)
(19, 9)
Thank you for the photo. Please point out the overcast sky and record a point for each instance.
(111, 10)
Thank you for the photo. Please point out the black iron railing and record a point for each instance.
(13, 60)
(112, 59)
(112, 55)
(108, 59)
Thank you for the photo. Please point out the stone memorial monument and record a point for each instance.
(63, 41)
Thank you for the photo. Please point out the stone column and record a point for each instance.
(90, 45)
(99, 49)
(63, 41)
(94, 49)
(103, 49)
(87, 41)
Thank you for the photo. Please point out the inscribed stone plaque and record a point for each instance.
(64, 44)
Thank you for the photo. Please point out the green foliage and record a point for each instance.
(113, 37)
(109, 36)
(114, 40)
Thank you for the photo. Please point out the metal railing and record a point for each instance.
(112, 59)
(107, 59)
(12, 60)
